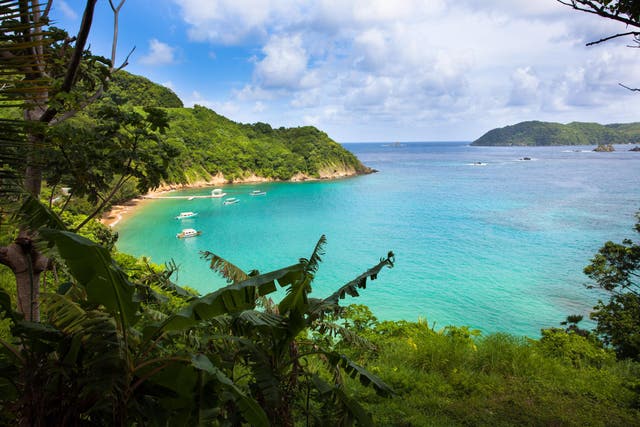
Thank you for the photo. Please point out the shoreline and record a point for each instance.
(118, 212)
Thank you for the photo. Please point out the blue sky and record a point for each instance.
(376, 70)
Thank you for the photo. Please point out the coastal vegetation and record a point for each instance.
(111, 340)
(204, 146)
(536, 133)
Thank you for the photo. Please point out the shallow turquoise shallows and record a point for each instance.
(482, 237)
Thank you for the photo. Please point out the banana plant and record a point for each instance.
(88, 359)
(287, 367)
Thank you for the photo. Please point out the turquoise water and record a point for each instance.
(499, 247)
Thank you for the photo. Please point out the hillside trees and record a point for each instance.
(51, 77)
(616, 270)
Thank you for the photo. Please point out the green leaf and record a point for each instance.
(91, 265)
(352, 406)
(249, 408)
(5, 306)
(351, 288)
(366, 378)
(230, 299)
(37, 215)
(223, 267)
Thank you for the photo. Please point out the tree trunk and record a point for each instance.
(27, 265)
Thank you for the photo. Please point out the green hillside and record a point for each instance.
(208, 144)
(536, 133)
(129, 89)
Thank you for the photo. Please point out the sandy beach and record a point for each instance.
(118, 212)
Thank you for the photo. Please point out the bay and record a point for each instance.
(482, 238)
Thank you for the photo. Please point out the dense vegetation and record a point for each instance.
(206, 144)
(129, 89)
(534, 133)
(455, 377)
(198, 144)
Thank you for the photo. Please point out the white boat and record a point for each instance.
(231, 201)
(188, 232)
(258, 193)
(191, 197)
(184, 215)
(217, 193)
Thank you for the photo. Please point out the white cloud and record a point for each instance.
(284, 63)
(457, 64)
(159, 54)
(525, 87)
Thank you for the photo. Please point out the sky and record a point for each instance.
(376, 70)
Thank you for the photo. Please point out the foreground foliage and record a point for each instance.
(451, 377)
(110, 351)
(616, 270)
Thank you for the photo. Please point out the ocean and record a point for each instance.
(482, 238)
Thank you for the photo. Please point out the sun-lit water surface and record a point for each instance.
(499, 246)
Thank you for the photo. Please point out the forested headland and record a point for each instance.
(204, 144)
(536, 133)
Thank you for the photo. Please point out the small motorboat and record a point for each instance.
(217, 193)
(258, 193)
(231, 201)
(184, 215)
(188, 232)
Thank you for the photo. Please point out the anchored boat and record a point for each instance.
(231, 201)
(217, 193)
(188, 232)
(184, 215)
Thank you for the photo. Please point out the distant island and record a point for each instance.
(536, 133)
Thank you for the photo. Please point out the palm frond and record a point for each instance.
(36, 215)
(347, 336)
(356, 371)
(312, 264)
(336, 400)
(92, 266)
(360, 282)
(249, 408)
(231, 299)
(224, 268)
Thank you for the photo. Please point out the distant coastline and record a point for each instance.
(536, 133)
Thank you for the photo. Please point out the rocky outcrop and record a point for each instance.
(604, 148)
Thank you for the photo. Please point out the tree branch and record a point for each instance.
(632, 89)
(591, 7)
(104, 203)
(633, 33)
(114, 42)
(71, 113)
(72, 70)
(47, 9)
(112, 70)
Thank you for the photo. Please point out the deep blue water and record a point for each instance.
(499, 246)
